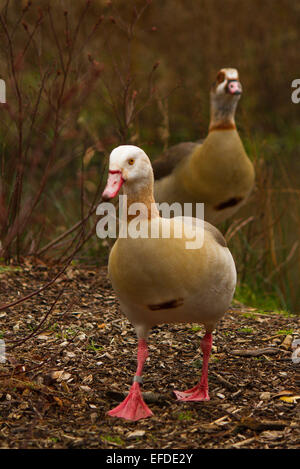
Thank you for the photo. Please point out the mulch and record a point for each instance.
(57, 386)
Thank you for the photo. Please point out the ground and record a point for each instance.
(57, 386)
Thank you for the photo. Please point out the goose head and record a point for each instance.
(130, 168)
(224, 95)
(227, 84)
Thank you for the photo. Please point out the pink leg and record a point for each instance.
(133, 407)
(200, 391)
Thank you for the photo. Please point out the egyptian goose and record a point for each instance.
(216, 171)
(160, 280)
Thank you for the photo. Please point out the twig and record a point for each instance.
(65, 234)
(41, 364)
(224, 381)
(34, 332)
(242, 443)
(285, 262)
(48, 284)
(230, 233)
(256, 352)
(149, 397)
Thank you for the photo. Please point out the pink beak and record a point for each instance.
(113, 185)
(234, 87)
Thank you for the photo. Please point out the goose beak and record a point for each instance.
(234, 87)
(113, 185)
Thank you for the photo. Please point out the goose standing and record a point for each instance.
(158, 279)
(216, 171)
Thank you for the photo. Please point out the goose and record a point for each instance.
(161, 279)
(215, 171)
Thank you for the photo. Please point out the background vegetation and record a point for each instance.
(84, 77)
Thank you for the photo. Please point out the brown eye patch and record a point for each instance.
(220, 77)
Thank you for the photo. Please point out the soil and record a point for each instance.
(57, 386)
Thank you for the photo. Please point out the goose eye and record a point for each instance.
(131, 161)
(220, 77)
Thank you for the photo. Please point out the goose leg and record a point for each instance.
(133, 407)
(200, 391)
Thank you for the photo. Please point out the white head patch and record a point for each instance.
(121, 154)
(230, 73)
(132, 161)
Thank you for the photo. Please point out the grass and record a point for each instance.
(185, 416)
(249, 315)
(197, 363)
(92, 346)
(285, 332)
(9, 268)
(262, 302)
(246, 330)
(113, 439)
(266, 250)
(258, 299)
(195, 328)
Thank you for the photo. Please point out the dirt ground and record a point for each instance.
(57, 386)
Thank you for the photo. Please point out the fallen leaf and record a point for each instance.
(287, 342)
(85, 388)
(60, 375)
(291, 399)
(58, 400)
(271, 435)
(136, 434)
(87, 379)
(265, 396)
(44, 337)
(94, 416)
(65, 387)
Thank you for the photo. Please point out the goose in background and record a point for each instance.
(215, 171)
(158, 279)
